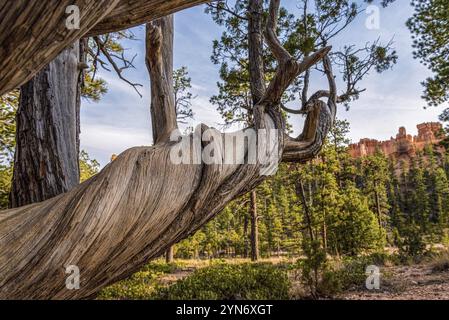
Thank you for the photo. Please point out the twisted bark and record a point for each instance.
(109, 226)
(34, 32)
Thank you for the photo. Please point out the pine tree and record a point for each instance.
(357, 220)
(376, 178)
(419, 201)
(429, 26)
(440, 197)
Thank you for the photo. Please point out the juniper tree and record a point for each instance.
(208, 187)
(113, 223)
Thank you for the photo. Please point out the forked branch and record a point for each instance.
(320, 117)
(288, 67)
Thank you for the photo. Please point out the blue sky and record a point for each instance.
(122, 119)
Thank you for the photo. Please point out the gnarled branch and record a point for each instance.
(319, 121)
(319, 117)
(288, 67)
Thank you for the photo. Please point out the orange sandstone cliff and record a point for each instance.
(403, 145)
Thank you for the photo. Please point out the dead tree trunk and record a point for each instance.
(47, 149)
(254, 228)
(159, 59)
(144, 202)
(169, 255)
(257, 83)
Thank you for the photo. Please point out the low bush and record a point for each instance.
(350, 272)
(141, 285)
(347, 274)
(261, 281)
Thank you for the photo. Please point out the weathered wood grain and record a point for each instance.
(130, 13)
(33, 33)
(109, 226)
(159, 60)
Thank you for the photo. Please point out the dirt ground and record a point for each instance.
(416, 282)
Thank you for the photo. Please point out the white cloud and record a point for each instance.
(103, 141)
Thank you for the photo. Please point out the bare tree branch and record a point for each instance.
(118, 70)
(159, 59)
(288, 68)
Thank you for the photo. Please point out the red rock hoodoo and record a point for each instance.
(403, 145)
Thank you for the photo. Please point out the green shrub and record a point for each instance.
(161, 267)
(229, 282)
(382, 259)
(350, 273)
(141, 285)
(312, 266)
(410, 241)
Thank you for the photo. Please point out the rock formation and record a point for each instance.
(403, 144)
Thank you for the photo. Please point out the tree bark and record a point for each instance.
(255, 50)
(47, 149)
(169, 255)
(257, 84)
(254, 228)
(131, 13)
(245, 237)
(302, 193)
(378, 207)
(23, 52)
